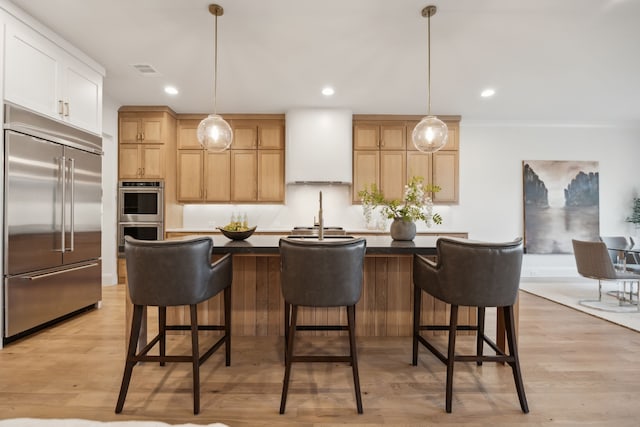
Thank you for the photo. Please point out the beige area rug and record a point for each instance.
(570, 292)
(73, 422)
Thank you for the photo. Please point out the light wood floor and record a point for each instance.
(577, 370)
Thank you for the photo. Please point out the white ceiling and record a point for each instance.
(568, 61)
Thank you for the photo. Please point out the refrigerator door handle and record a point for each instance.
(63, 173)
(72, 180)
(54, 273)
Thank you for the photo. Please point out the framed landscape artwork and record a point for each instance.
(561, 202)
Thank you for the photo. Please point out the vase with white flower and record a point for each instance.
(416, 205)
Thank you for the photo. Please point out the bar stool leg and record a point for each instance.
(417, 304)
(451, 354)
(162, 332)
(195, 358)
(287, 369)
(136, 324)
(480, 336)
(351, 318)
(227, 325)
(513, 351)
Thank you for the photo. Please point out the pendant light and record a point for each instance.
(214, 133)
(430, 134)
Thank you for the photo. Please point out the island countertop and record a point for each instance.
(376, 245)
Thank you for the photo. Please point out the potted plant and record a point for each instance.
(635, 213)
(416, 204)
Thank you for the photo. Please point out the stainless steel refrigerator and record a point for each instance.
(52, 220)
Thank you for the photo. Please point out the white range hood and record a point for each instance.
(318, 146)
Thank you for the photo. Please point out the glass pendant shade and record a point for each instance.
(214, 133)
(430, 135)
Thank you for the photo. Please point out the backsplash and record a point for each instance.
(300, 210)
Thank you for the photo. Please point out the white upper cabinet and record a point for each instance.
(43, 77)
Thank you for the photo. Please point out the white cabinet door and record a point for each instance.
(82, 95)
(31, 71)
(41, 76)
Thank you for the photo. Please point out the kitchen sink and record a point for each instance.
(314, 231)
(315, 236)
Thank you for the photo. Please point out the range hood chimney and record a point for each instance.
(318, 146)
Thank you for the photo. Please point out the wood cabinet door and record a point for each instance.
(445, 174)
(152, 161)
(188, 135)
(190, 175)
(419, 164)
(129, 130)
(152, 128)
(244, 172)
(409, 126)
(366, 136)
(129, 162)
(245, 134)
(452, 138)
(366, 171)
(271, 135)
(392, 174)
(217, 176)
(392, 137)
(270, 175)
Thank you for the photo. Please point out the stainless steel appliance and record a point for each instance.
(140, 201)
(140, 211)
(52, 220)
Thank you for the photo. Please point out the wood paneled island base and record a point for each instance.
(385, 308)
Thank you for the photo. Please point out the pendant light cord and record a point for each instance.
(215, 66)
(429, 64)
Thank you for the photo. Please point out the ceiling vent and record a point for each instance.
(146, 70)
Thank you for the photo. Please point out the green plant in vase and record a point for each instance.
(416, 205)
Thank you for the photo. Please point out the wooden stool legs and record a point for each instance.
(290, 331)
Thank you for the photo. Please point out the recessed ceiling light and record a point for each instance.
(487, 93)
(171, 90)
(328, 91)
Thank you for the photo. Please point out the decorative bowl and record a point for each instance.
(237, 235)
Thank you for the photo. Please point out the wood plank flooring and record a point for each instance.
(577, 370)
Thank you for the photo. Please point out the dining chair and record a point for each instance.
(615, 244)
(321, 273)
(171, 273)
(473, 274)
(593, 261)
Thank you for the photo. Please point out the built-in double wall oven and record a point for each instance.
(140, 210)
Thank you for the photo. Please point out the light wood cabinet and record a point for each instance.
(375, 160)
(143, 134)
(251, 171)
(263, 134)
(203, 176)
(378, 136)
(141, 161)
(142, 128)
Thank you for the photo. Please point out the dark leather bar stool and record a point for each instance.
(473, 274)
(326, 273)
(174, 273)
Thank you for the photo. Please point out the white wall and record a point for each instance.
(491, 179)
(109, 191)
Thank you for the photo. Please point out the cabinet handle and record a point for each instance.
(382, 143)
(142, 172)
(142, 136)
(66, 109)
(60, 107)
(139, 171)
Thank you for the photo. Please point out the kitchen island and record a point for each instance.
(385, 308)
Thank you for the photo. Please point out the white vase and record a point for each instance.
(402, 230)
